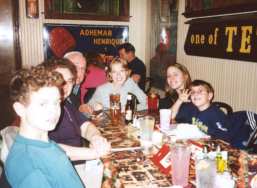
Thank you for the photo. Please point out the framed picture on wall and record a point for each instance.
(104, 39)
(103, 10)
(32, 10)
(198, 8)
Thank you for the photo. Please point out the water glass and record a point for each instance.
(180, 160)
(146, 128)
(205, 170)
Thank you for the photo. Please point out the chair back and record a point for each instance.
(224, 107)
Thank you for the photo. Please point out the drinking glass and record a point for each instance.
(165, 117)
(205, 170)
(152, 102)
(146, 127)
(115, 107)
(180, 158)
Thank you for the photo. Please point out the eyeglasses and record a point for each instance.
(198, 92)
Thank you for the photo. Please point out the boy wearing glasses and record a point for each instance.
(234, 128)
(201, 112)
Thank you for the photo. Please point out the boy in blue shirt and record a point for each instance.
(234, 128)
(201, 112)
(34, 160)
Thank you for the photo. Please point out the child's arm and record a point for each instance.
(80, 153)
(183, 97)
(218, 126)
(97, 142)
(88, 130)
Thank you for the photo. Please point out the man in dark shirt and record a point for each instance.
(137, 67)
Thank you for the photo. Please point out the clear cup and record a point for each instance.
(146, 132)
(180, 159)
(146, 128)
(165, 117)
(205, 170)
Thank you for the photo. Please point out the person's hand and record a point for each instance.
(85, 108)
(98, 107)
(183, 95)
(98, 111)
(101, 145)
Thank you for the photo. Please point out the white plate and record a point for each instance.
(185, 131)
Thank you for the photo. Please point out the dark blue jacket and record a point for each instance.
(242, 126)
(212, 121)
(235, 128)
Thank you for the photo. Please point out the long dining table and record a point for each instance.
(128, 166)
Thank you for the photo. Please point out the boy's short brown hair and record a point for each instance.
(27, 80)
(203, 83)
(53, 64)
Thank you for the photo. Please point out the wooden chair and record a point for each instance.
(224, 107)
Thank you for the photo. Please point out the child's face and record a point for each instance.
(200, 97)
(118, 74)
(175, 78)
(69, 81)
(43, 109)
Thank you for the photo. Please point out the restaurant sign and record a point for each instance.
(61, 38)
(223, 37)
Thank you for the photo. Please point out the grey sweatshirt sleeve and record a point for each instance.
(96, 98)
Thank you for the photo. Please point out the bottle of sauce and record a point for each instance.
(220, 163)
(129, 110)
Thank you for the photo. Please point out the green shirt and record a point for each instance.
(38, 164)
